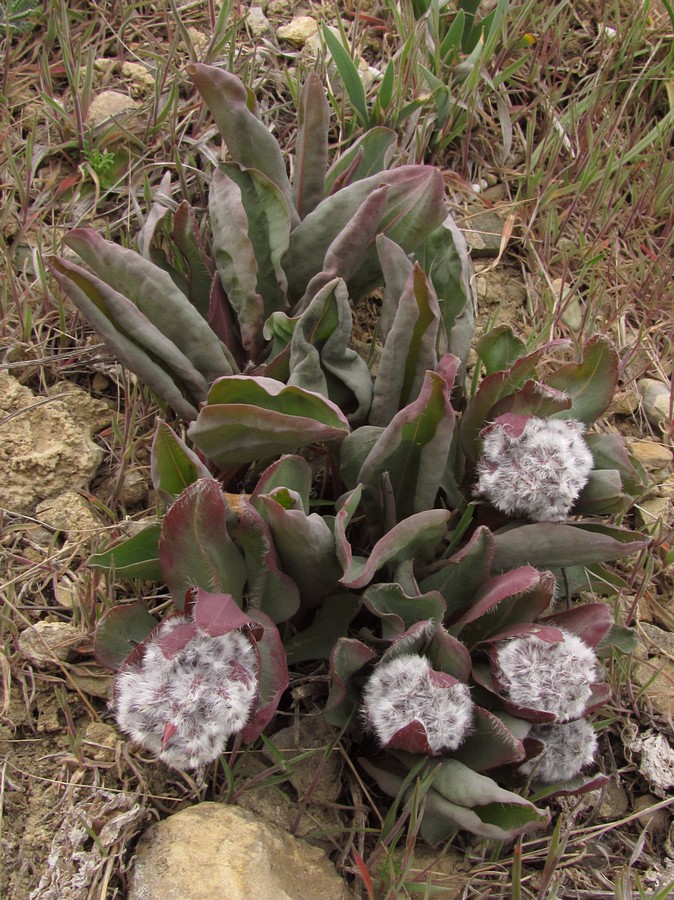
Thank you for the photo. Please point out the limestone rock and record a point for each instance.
(656, 397)
(200, 41)
(257, 22)
(483, 232)
(657, 761)
(108, 104)
(142, 80)
(44, 450)
(298, 31)
(653, 456)
(654, 514)
(215, 852)
(70, 513)
(656, 820)
(614, 802)
(47, 644)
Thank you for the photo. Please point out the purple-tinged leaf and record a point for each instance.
(290, 472)
(551, 544)
(490, 743)
(414, 640)
(249, 142)
(321, 359)
(533, 399)
(273, 675)
(235, 259)
(133, 557)
(347, 658)
(461, 576)
(331, 623)
(217, 614)
(491, 390)
(369, 154)
(498, 588)
(602, 495)
(127, 332)
(152, 290)
(268, 588)
(413, 450)
(399, 611)
(195, 548)
(484, 676)
(248, 418)
(173, 465)
(601, 693)
(591, 384)
(544, 632)
(173, 642)
(158, 211)
(221, 321)
(311, 153)
(413, 536)
(581, 784)
(119, 631)
(348, 505)
(499, 349)
(396, 268)
(409, 351)
(589, 621)
(200, 268)
(447, 654)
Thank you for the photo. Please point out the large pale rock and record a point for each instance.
(44, 449)
(656, 398)
(217, 852)
(108, 104)
(69, 513)
(47, 644)
(298, 31)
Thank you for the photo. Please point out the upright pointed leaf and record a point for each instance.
(173, 465)
(459, 578)
(195, 548)
(200, 268)
(273, 676)
(250, 143)
(371, 154)
(409, 351)
(311, 155)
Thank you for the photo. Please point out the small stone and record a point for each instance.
(104, 65)
(657, 820)
(483, 232)
(100, 383)
(656, 399)
(656, 677)
(108, 104)
(200, 41)
(572, 309)
(298, 31)
(212, 850)
(624, 403)
(66, 593)
(279, 8)
(257, 22)
(135, 488)
(614, 802)
(653, 514)
(70, 513)
(657, 761)
(46, 644)
(653, 456)
(100, 742)
(139, 75)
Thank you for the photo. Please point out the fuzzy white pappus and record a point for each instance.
(539, 473)
(566, 750)
(402, 691)
(185, 708)
(553, 677)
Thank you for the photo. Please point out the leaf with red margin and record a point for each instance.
(120, 630)
(217, 614)
(398, 611)
(195, 547)
(497, 589)
(173, 465)
(489, 744)
(273, 675)
(591, 622)
(462, 575)
(446, 654)
(591, 384)
(347, 658)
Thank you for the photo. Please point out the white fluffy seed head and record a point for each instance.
(185, 708)
(401, 691)
(538, 474)
(566, 750)
(552, 677)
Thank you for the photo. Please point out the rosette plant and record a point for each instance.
(372, 512)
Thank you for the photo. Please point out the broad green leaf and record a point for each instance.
(311, 154)
(195, 547)
(399, 611)
(133, 557)
(129, 334)
(591, 384)
(499, 349)
(250, 143)
(321, 359)
(368, 155)
(413, 451)
(332, 621)
(609, 451)
(602, 495)
(348, 657)
(152, 290)
(411, 538)
(174, 466)
(489, 744)
(248, 418)
(409, 351)
(291, 472)
(306, 548)
(119, 632)
(549, 544)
